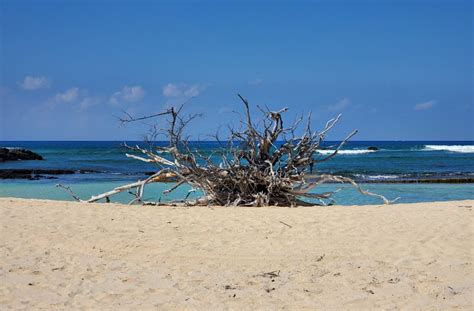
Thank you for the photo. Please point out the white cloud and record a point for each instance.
(35, 83)
(171, 90)
(340, 105)
(128, 94)
(425, 106)
(87, 102)
(133, 93)
(76, 97)
(192, 91)
(183, 90)
(67, 96)
(113, 100)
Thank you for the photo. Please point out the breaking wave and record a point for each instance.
(376, 177)
(358, 151)
(453, 148)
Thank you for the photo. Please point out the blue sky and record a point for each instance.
(397, 70)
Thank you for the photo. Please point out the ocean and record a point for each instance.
(415, 171)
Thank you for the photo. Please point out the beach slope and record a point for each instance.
(69, 255)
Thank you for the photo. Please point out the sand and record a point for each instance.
(66, 255)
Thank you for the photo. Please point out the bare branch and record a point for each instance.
(262, 163)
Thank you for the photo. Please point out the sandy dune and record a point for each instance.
(64, 255)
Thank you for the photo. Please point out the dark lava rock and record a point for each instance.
(35, 174)
(373, 148)
(7, 154)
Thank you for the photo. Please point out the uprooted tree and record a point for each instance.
(259, 164)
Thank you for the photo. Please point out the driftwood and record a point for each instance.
(259, 165)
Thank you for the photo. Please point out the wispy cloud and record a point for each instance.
(31, 83)
(183, 90)
(171, 90)
(425, 106)
(340, 105)
(193, 91)
(128, 94)
(68, 96)
(83, 99)
(76, 97)
(255, 82)
(90, 101)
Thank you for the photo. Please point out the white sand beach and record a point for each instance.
(66, 255)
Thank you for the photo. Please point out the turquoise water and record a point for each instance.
(393, 161)
(409, 193)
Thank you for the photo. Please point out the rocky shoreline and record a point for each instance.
(35, 174)
(14, 154)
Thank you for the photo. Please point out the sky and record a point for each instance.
(396, 70)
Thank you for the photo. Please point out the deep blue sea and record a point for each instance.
(393, 161)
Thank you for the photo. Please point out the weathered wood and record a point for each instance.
(265, 164)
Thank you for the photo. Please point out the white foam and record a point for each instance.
(452, 148)
(383, 176)
(378, 176)
(357, 151)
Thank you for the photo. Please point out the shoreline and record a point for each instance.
(18, 200)
(12, 174)
(60, 254)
